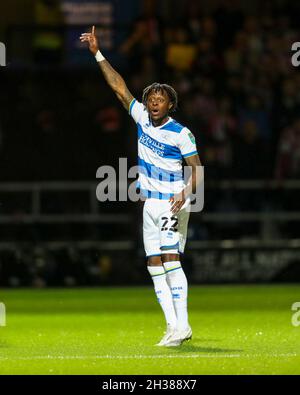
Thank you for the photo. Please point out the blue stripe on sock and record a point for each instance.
(171, 270)
(156, 275)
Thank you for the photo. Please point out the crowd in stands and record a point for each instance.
(238, 93)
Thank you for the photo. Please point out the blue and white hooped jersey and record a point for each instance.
(160, 154)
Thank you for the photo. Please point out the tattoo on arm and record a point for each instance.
(116, 82)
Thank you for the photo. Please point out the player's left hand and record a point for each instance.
(177, 201)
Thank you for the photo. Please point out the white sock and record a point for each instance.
(179, 287)
(163, 293)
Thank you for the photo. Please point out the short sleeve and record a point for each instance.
(136, 110)
(187, 143)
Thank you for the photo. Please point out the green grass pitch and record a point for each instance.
(236, 330)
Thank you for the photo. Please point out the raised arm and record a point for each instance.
(113, 78)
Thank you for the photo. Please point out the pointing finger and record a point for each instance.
(93, 30)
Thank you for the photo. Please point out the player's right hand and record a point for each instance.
(91, 39)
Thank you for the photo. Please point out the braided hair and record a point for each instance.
(157, 87)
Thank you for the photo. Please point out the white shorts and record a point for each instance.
(164, 232)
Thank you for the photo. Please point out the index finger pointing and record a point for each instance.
(93, 30)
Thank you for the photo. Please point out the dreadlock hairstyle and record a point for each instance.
(157, 87)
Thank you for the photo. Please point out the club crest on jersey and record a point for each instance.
(192, 138)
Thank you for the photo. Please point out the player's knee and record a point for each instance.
(154, 261)
(170, 257)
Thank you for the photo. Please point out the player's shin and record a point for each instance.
(179, 288)
(163, 294)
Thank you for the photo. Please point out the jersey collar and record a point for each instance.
(159, 127)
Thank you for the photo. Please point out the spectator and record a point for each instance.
(145, 39)
(180, 53)
(254, 111)
(288, 157)
(250, 154)
(48, 43)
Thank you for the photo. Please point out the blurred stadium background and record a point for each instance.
(230, 62)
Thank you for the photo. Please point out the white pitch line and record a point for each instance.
(195, 356)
